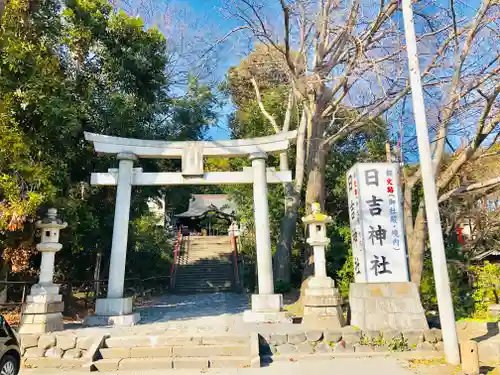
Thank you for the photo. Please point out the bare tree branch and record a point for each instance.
(271, 119)
(492, 182)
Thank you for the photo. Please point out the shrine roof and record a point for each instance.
(200, 204)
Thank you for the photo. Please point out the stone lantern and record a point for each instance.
(322, 302)
(43, 308)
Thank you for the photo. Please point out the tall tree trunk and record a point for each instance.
(315, 189)
(282, 263)
(316, 163)
(282, 258)
(416, 246)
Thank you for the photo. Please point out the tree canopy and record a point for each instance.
(69, 67)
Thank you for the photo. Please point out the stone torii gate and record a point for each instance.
(117, 310)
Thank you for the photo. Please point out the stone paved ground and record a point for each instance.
(374, 366)
(225, 307)
(194, 314)
(184, 314)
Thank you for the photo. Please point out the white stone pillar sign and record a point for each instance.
(382, 296)
(377, 233)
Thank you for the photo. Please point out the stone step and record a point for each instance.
(207, 238)
(188, 268)
(211, 350)
(221, 246)
(204, 261)
(201, 279)
(212, 255)
(213, 244)
(153, 341)
(203, 287)
(175, 351)
(210, 263)
(201, 276)
(208, 252)
(186, 290)
(223, 249)
(207, 255)
(205, 276)
(208, 266)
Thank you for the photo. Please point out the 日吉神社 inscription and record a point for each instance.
(266, 306)
(375, 214)
(381, 297)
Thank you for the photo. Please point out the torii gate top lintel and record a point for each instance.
(175, 150)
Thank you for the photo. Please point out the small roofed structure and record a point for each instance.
(205, 214)
(492, 256)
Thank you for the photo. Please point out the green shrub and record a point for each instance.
(486, 287)
(460, 289)
(398, 344)
(345, 276)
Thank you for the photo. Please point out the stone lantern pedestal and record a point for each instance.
(322, 301)
(43, 307)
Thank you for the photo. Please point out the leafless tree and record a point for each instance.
(462, 95)
(188, 31)
(344, 67)
(347, 65)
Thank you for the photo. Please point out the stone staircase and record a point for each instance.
(177, 352)
(205, 265)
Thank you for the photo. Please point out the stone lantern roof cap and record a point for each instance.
(51, 220)
(316, 216)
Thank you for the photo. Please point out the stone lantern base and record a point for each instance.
(42, 310)
(322, 304)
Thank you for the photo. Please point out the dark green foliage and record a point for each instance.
(74, 67)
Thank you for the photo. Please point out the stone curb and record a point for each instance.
(322, 356)
(93, 352)
(254, 350)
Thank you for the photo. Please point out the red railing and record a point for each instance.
(177, 249)
(234, 248)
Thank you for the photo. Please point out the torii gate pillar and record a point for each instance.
(266, 306)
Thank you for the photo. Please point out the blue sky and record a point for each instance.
(209, 11)
(198, 17)
(205, 18)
